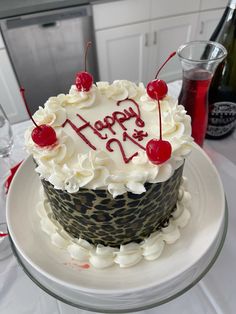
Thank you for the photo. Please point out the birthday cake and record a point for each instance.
(110, 158)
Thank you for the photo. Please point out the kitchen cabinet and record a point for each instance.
(167, 8)
(212, 4)
(168, 34)
(134, 52)
(1, 42)
(119, 13)
(207, 23)
(133, 37)
(123, 52)
(10, 97)
(133, 47)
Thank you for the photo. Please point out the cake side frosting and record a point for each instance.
(126, 255)
(97, 217)
(102, 135)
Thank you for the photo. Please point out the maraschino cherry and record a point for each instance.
(158, 151)
(158, 88)
(84, 80)
(42, 135)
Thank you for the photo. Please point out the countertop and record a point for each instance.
(214, 294)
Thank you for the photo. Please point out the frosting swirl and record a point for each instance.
(102, 135)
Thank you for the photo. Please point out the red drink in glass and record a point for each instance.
(194, 97)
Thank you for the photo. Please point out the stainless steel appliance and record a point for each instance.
(47, 49)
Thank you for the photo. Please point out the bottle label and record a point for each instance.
(232, 4)
(221, 119)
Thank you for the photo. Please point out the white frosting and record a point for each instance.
(72, 163)
(127, 255)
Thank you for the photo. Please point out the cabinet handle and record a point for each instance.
(146, 40)
(49, 24)
(202, 28)
(155, 38)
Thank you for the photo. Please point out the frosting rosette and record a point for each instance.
(81, 99)
(121, 89)
(102, 136)
(52, 114)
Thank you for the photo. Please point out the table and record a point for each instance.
(215, 293)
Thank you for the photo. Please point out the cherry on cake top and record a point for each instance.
(157, 89)
(84, 80)
(42, 135)
(158, 151)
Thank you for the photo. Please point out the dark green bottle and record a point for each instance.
(222, 92)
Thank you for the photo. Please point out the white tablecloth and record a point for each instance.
(215, 293)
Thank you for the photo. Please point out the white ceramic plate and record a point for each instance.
(179, 262)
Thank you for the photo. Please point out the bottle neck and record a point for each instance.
(232, 4)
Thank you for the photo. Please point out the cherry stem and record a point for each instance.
(160, 122)
(170, 56)
(89, 44)
(22, 91)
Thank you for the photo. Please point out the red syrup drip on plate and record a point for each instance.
(11, 176)
(2, 235)
(85, 266)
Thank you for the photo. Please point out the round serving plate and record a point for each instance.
(145, 285)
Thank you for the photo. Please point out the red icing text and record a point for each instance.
(108, 123)
(120, 117)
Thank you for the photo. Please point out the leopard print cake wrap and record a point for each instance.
(94, 215)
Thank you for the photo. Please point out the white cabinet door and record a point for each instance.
(10, 97)
(207, 23)
(160, 8)
(1, 42)
(109, 14)
(213, 4)
(123, 52)
(168, 34)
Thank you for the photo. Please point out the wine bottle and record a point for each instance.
(222, 92)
